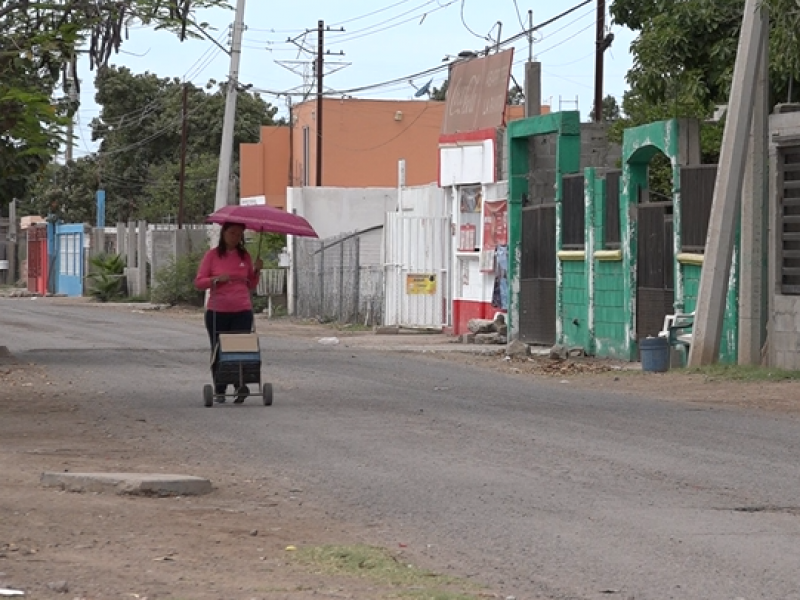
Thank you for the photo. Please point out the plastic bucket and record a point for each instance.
(655, 354)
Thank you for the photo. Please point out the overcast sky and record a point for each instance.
(382, 40)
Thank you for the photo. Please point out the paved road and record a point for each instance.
(545, 491)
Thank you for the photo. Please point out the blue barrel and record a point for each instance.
(655, 354)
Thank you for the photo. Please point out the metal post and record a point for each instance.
(182, 176)
(357, 280)
(341, 282)
(320, 77)
(12, 242)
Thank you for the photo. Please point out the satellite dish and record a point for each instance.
(425, 89)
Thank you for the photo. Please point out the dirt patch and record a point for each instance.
(250, 538)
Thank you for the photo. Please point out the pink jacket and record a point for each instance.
(232, 295)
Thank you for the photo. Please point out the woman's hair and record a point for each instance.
(221, 250)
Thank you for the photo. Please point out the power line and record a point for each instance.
(464, 22)
(433, 70)
(519, 14)
(374, 12)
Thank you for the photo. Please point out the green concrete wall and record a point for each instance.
(574, 313)
(728, 350)
(568, 127)
(597, 291)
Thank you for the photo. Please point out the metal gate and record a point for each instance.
(69, 259)
(655, 271)
(537, 298)
(416, 255)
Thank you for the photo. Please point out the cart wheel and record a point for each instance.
(208, 395)
(267, 393)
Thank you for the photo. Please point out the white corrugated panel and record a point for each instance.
(417, 286)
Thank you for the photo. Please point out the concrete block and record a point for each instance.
(487, 338)
(150, 484)
(517, 348)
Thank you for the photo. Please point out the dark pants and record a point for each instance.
(222, 322)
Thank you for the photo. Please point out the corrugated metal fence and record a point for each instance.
(340, 278)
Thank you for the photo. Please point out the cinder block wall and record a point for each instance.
(783, 336)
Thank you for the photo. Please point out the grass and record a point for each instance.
(381, 567)
(744, 373)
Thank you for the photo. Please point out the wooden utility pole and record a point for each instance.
(184, 135)
(320, 76)
(600, 49)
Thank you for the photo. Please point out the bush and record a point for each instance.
(107, 277)
(174, 283)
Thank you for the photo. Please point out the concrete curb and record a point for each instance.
(149, 484)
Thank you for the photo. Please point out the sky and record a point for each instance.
(382, 40)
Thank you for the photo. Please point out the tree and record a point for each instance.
(440, 94)
(139, 130)
(516, 96)
(610, 108)
(66, 191)
(39, 50)
(685, 51)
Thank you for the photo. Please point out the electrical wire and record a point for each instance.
(464, 23)
(434, 70)
(373, 29)
(214, 51)
(519, 14)
(370, 14)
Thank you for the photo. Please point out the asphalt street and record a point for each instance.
(541, 489)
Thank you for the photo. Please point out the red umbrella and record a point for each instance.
(263, 219)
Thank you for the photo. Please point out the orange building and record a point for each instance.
(362, 142)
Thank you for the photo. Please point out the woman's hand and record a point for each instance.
(258, 265)
(221, 278)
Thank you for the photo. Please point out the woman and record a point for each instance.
(230, 274)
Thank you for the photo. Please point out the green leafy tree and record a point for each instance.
(611, 110)
(516, 96)
(39, 50)
(439, 94)
(685, 52)
(139, 130)
(66, 191)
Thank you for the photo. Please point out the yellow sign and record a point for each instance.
(421, 283)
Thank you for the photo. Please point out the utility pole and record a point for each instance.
(319, 68)
(600, 49)
(72, 93)
(320, 76)
(184, 135)
(226, 147)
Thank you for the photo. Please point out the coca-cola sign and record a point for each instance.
(477, 93)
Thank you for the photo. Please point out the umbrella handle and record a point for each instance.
(260, 239)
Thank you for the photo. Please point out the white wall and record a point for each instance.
(332, 211)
